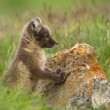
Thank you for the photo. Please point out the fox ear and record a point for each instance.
(38, 20)
(35, 25)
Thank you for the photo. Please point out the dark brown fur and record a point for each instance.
(29, 62)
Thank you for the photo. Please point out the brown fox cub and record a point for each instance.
(29, 63)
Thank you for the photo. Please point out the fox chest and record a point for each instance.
(35, 57)
(38, 60)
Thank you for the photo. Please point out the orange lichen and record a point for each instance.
(89, 92)
(91, 83)
(81, 51)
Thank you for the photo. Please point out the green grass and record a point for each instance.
(71, 21)
(16, 100)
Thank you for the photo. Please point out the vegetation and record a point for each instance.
(71, 21)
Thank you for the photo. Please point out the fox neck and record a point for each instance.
(28, 43)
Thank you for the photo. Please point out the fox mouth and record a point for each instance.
(48, 45)
(51, 43)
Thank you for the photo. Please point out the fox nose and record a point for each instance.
(53, 42)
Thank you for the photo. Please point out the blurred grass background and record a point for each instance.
(71, 21)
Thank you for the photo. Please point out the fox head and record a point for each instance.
(40, 33)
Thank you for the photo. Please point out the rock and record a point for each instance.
(85, 88)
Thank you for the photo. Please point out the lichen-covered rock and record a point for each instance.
(85, 88)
